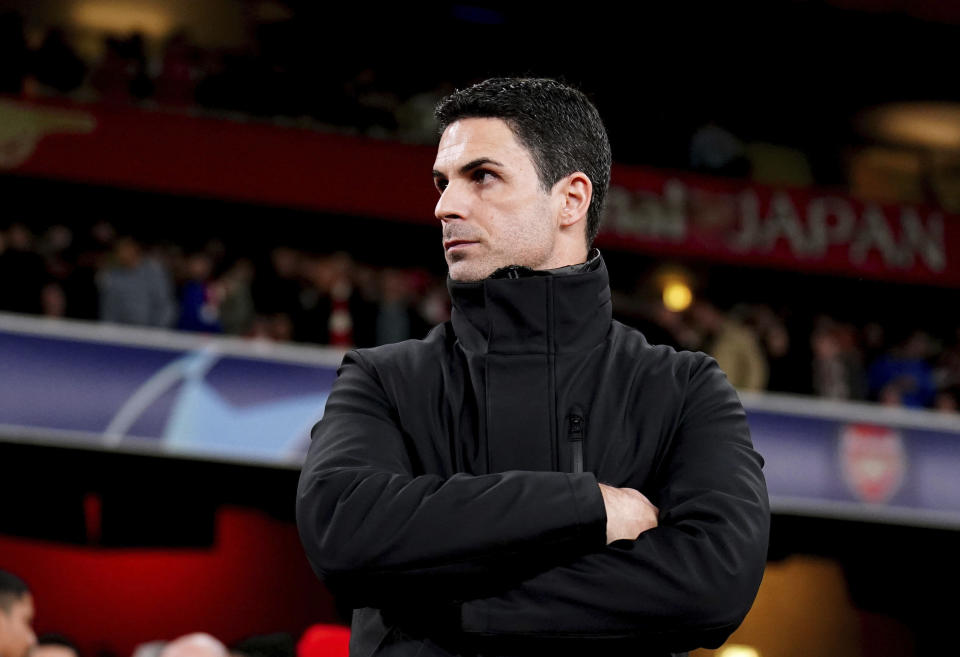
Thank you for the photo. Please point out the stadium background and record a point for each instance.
(796, 165)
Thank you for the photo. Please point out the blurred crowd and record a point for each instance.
(291, 295)
(821, 355)
(270, 77)
(18, 639)
(274, 77)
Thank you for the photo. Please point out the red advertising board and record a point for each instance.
(648, 210)
(806, 229)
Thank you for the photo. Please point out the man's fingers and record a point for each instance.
(629, 513)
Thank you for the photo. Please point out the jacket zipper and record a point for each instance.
(575, 434)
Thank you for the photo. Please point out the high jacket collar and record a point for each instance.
(521, 310)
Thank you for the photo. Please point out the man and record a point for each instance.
(734, 345)
(16, 615)
(136, 289)
(532, 477)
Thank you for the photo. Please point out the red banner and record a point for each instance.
(806, 229)
(647, 210)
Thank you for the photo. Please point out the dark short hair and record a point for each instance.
(556, 123)
(12, 589)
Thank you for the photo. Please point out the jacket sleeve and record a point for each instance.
(379, 534)
(685, 584)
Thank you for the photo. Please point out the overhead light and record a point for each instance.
(116, 16)
(672, 281)
(932, 125)
(735, 650)
(677, 295)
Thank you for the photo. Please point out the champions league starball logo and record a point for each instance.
(873, 461)
(22, 127)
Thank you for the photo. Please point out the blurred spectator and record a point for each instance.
(236, 309)
(947, 400)
(341, 324)
(837, 373)
(873, 339)
(178, 72)
(363, 299)
(734, 345)
(16, 615)
(89, 253)
(788, 367)
(198, 644)
(903, 377)
(56, 65)
(312, 321)
(54, 246)
(53, 301)
(141, 86)
(135, 288)
(22, 271)
(122, 74)
(200, 298)
(112, 76)
(276, 287)
(947, 369)
(336, 305)
(102, 237)
(54, 645)
(397, 316)
(273, 328)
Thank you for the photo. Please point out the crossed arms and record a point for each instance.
(525, 552)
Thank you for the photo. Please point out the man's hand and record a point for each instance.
(629, 513)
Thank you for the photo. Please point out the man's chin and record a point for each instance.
(464, 271)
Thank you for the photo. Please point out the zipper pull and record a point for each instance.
(576, 427)
(575, 431)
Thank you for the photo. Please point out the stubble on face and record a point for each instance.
(509, 213)
(517, 243)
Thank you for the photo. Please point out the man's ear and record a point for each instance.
(575, 192)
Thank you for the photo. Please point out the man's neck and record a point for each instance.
(519, 271)
(562, 310)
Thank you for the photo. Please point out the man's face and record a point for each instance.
(16, 635)
(491, 199)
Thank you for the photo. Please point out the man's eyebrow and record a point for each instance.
(472, 164)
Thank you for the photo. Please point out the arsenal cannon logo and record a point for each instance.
(873, 461)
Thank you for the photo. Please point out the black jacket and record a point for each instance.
(450, 489)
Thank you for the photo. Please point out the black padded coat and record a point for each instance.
(450, 489)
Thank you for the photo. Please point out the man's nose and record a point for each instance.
(452, 203)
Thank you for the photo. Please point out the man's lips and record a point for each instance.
(454, 243)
